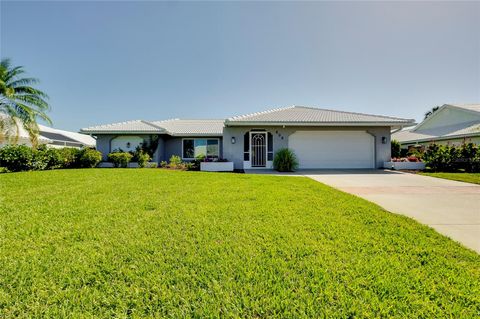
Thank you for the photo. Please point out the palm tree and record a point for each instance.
(433, 110)
(20, 103)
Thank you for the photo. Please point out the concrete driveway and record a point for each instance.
(452, 208)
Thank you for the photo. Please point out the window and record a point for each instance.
(270, 147)
(246, 146)
(200, 146)
(188, 149)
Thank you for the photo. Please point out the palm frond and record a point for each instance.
(23, 82)
(30, 90)
(33, 100)
(21, 101)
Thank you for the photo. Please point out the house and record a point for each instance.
(60, 138)
(451, 124)
(320, 138)
(51, 137)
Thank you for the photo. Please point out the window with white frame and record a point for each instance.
(193, 147)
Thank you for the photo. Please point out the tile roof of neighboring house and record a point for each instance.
(174, 127)
(177, 127)
(136, 126)
(303, 115)
(439, 133)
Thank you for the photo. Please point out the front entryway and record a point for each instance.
(258, 149)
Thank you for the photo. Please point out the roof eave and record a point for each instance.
(195, 134)
(250, 123)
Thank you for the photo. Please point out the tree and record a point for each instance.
(21, 104)
(430, 113)
(395, 148)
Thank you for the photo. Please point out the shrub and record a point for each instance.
(285, 160)
(163, 164)
(469, 154)
(142, 158)
(191, 167)
(89, 158)
(4, 170)
(47, 158)
(120, 159)
(395, 148)
(442, 158)
(175, 160)
(16, 158)
(70, 157)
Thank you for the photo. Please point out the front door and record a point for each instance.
(258, 149)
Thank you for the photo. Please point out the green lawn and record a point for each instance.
(147, 242)
(462, 177)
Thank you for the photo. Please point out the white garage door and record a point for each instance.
(333, 149)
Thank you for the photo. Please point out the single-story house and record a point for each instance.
(451, 124)
(320, 138)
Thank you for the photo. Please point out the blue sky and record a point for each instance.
(104, 62)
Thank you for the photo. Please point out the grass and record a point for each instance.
(151, 243)
(473, 178)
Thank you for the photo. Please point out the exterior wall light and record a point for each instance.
(233, 140)
(384, 140)
(128, 144)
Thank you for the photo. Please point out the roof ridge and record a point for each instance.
(261, 112)
(348, 112)
(153, 125)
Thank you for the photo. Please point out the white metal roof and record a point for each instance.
(301, 115)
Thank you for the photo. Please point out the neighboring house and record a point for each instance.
(53, 138)
(452, 124)
(60, 138)
(320, 138)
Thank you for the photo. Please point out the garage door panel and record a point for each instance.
(333, 149)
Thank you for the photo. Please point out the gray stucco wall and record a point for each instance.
(167, 145)
(104, 143)
(234, 152)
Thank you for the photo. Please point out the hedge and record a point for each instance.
(449, 158)
(16, 158)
